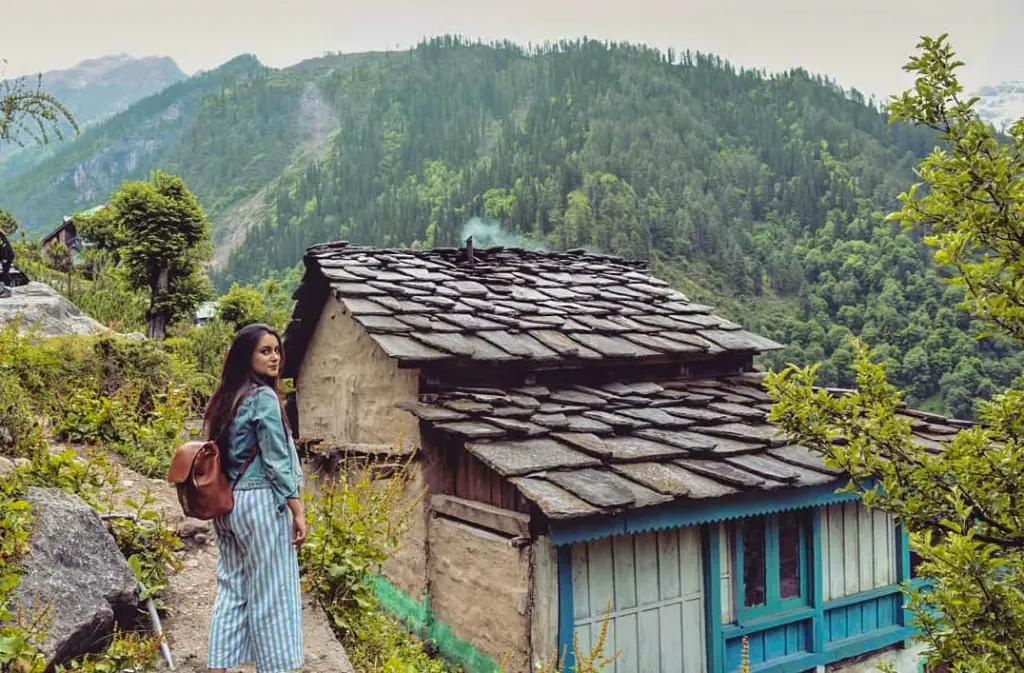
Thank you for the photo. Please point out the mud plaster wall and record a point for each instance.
(406, 568)
(479, 588)
(347, 387)
(346, 392)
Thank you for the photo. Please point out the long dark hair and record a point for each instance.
(236, 380)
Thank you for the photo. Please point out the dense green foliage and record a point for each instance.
(132, 397)
(961, 504)
(768, 190)
(764, 195)
(64, 382)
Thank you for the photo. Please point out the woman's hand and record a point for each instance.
(298, 521)
(298, 530)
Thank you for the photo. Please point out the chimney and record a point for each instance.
(469, 251)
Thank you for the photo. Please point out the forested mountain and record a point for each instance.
(179, 129)
(770, 190)
(92, 90)
(765, 195)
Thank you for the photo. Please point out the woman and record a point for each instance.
(257, 614)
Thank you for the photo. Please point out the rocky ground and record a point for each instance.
(191, 592)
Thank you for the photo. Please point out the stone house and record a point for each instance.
(588, 439)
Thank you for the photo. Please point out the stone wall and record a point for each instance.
(479, 587)
(347, 389)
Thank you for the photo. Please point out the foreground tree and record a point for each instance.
(963, 505)
(165, 239)
(31, 113)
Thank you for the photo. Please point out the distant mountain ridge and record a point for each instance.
(1002, 104)
(231, 132)
(99, 87)
(93, 90)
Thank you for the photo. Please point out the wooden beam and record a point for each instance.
(480, 514)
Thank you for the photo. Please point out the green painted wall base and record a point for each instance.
(420, 620)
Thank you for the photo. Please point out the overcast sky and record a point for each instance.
(859, 43)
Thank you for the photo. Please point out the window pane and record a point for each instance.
(753, 562)
(789, 555)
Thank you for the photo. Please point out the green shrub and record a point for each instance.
(379, 643)
(355, 523)
(20, 432)
(141, 535)
(135, 652)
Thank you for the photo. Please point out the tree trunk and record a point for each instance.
(157, 328)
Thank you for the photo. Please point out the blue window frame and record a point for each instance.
(770, 554)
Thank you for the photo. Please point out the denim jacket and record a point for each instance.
(258, 423)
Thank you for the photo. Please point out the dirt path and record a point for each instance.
(190, 593)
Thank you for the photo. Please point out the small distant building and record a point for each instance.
(66, 234)
(206, 312)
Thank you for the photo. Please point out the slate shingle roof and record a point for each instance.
(578, 451)
(515, 306)
(573, 450)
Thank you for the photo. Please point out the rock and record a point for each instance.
(55, 315)
(75, 568)
(6, 466)
(191, 527)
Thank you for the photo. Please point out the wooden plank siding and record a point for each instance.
(475, 481)
(680, 584)
(655, 584)
(859, 550)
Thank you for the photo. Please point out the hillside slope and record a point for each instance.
(180, 129)
(763, 194)
(93, 90)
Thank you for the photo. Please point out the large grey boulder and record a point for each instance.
(39, 303)
(75, 570)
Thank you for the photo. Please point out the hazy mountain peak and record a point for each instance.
(1001, 104)
(98, 87)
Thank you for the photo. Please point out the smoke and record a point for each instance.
(488, 232)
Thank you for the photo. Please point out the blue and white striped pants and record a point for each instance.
(257, 615)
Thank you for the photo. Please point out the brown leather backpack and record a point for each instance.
(203, 489)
